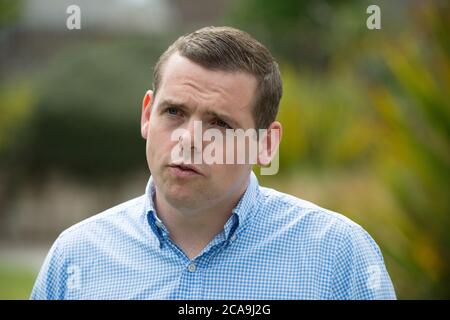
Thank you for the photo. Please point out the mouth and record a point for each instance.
(184, 170)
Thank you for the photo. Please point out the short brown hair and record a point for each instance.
(230, 49)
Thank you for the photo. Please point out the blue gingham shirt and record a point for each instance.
(274, 246)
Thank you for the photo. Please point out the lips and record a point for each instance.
(185, 167)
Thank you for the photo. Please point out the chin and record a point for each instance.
(183, 201)
(180, 193)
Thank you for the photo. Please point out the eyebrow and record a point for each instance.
(168, 103)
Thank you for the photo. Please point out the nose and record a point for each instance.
(192, 136)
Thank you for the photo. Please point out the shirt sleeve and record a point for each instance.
(51, 281)
(359, 271)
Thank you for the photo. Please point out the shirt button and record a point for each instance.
(233, 237)
(191, 267)
(158, 224)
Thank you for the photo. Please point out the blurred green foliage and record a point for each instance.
(306, 33)
(15, 112)
(86, 111)
(15, 282)
(414, 113)
(9, 11)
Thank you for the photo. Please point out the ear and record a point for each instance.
(269, 143)
(146, 112)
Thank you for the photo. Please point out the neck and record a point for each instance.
(193, 230)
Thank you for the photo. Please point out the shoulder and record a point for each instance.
(314, 226)
(83, 244)
(285, 209)
(353, 259)
(102, 225)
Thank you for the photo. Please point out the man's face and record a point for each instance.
(189, 93)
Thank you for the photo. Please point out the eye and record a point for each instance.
(172, 111)
(222, 124)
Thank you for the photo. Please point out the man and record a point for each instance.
(209, 231)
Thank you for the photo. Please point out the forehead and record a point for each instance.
(189, 83)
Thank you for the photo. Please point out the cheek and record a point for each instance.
(228, 174)
(159, 144)
(152, 145)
